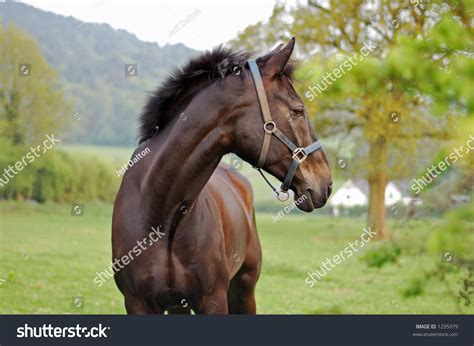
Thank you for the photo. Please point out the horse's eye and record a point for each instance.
(298, 111)
(235, 69)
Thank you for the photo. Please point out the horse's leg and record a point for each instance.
(241, 294)
(179, 310)
(137, 306)
(214, 303)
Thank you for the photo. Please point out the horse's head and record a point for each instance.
(312, 181)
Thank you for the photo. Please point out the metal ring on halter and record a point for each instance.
(285, 193)
(272, 123)
(300, 154)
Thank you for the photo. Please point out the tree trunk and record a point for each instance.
(377, 182)
(12, 116)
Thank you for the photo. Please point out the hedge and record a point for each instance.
(57, 176)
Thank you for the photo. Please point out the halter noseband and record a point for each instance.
(270, 128)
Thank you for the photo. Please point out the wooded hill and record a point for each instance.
(91, 59)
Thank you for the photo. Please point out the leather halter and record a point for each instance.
(270, 128)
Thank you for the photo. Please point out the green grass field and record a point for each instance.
(49, 257)
(107, 152)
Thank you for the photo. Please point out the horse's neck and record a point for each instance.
(191, 151)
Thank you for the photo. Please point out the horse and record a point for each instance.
(205, 256)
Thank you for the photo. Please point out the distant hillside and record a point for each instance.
(91, 59)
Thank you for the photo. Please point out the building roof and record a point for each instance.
(360, 184)
(403, 186)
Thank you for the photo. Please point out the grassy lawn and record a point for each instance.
(48, 257)
(106, 152)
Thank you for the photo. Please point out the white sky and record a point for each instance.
(214, 21)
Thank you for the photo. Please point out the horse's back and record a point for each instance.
(232, 185)
(233, 195)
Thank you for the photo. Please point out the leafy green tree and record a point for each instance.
(379, 72)
(31, 102)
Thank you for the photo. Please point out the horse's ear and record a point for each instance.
(279, 59)
(263, 59)
(267, 56)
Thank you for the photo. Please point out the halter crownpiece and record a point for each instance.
(270, 128)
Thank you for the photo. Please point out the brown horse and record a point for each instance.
(205, 255)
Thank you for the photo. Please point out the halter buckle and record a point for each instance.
(300, 154)
(285, 194)
(269, 130)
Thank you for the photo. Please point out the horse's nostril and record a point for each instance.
(329, 190)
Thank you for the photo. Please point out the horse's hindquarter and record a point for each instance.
(234, 194)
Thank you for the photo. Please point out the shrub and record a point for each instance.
(57, 176)
(416, 287)
(382, 255)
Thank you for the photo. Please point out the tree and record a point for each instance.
(419, 64)
(31, 102)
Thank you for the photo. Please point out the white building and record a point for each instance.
(355, 192)
(352, 193)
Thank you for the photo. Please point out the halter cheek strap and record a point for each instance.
(270, 128)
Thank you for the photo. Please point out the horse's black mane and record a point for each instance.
(207, 66)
